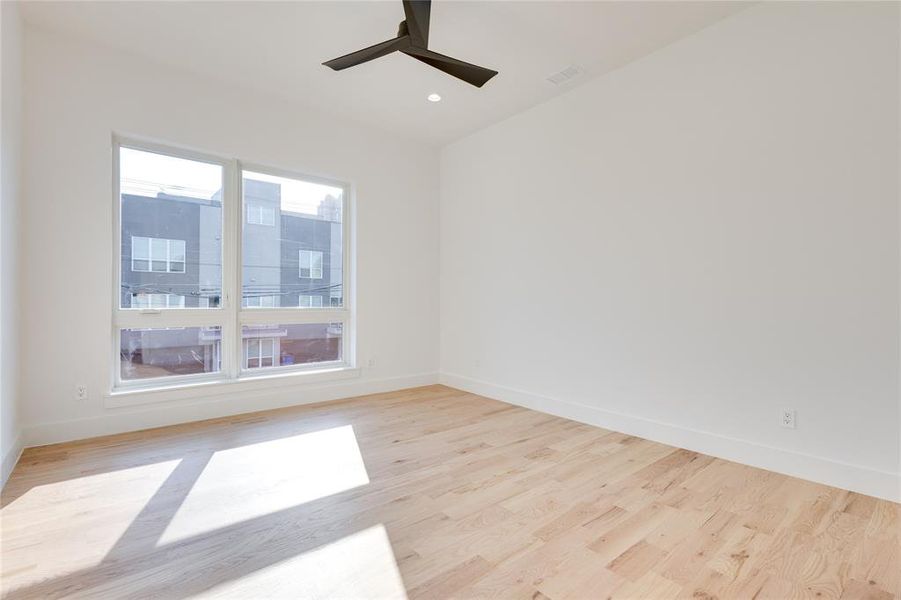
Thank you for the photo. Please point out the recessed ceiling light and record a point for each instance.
(434, 98)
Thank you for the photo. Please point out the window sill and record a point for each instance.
(122, 397)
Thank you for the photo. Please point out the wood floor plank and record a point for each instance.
(427, 493)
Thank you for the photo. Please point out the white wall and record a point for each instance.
(10, 193)
(683, 247)
(77, 94)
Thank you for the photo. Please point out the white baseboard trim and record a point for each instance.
(121, 420)
(10, 458)
(855, 478)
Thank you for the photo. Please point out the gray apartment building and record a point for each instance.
(172, 258)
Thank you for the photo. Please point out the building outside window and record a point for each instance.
(174, 254)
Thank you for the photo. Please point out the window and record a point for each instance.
(160, 352)
(310, 264)
(170, 227)
(259, 352)
(308, 301)
(190, 306)
(142, 300)
(302, 267)
(306, 257)
(257, 214)
(157, 255)
(261, 302)
(293, 345)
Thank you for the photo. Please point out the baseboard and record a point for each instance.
(221, 405)
(855, 478)
(10, 458)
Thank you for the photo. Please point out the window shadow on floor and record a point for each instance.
(311, 471)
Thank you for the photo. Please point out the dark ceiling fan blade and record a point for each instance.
(418, 13)
(469, 73)
(370, 53)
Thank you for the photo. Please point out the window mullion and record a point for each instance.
(234, 212)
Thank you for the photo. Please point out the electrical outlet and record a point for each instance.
(371, 363)
(81, 392)
(789, 418)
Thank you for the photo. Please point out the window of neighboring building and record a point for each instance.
(141, 300)
(232, 285)
(310, 264)
(261, 302)
(308, 301)
(157, 255)
(259, 352)
(258, 214)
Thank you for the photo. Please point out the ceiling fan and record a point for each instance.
(413, 40)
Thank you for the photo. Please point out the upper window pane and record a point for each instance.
(171, 231)
(306, 257)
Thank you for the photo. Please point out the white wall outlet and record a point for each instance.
(371, 362)
(81, 392)
(789, 418)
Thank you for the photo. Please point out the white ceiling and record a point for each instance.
(277, 47)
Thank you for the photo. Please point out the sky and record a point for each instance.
(146, 173)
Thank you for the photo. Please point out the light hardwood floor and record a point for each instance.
(428, 493)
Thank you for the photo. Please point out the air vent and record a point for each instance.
(570, 72)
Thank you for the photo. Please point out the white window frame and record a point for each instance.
(314, 273)
(310, 301)
(230, 316)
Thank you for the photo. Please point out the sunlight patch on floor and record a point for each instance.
(103, 517)
(259, 479)
(360, 565)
